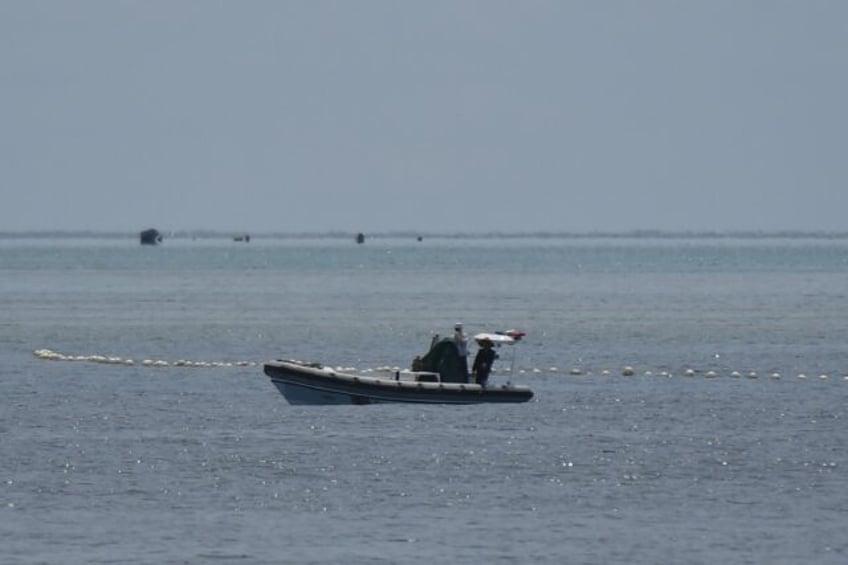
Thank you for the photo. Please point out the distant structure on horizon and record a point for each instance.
(360, 237)
(245, 238)
(150, 237)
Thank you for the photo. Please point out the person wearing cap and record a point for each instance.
(483, 362)
(461, 341)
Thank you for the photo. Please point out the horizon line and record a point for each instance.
(339, 234)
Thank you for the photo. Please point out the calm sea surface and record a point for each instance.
(689, 460)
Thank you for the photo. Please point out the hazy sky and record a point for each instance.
(438, 116)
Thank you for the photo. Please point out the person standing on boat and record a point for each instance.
(483, 362)
(461, 341)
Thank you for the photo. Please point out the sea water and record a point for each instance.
(690, 401)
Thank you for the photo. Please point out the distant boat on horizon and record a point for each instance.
(150, 237)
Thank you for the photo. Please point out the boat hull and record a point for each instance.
(305, 384)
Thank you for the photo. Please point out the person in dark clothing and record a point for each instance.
(483, 362)
(461, 341)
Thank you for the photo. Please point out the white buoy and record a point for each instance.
(576, 371)
(689, 373)
(627, 371)
(752, 375)
(735, 374)
(774, 376)
(711, 374)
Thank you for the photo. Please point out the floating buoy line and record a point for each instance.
(50, 355)
(625, 371)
